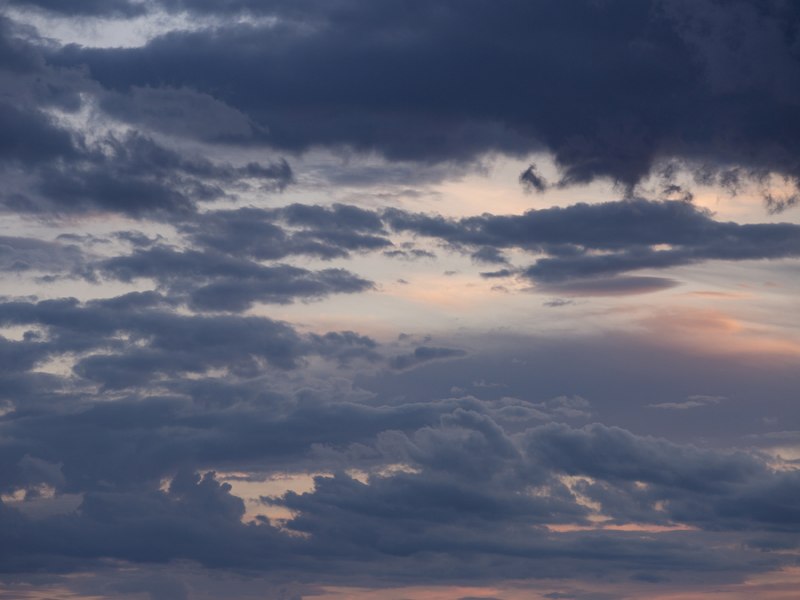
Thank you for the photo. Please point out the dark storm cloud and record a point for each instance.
(180, 112)
(428, 516)
(197, 519)
(607, 88)
(409, 513)
(198, 515)
(30, 137)
(133, 441)
(51, 167)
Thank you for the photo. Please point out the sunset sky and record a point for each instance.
(400, 299)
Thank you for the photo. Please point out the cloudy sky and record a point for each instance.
(399, 299)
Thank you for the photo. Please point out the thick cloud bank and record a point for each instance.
(609, 88)
(263, 335)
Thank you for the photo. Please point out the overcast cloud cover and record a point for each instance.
(399, 299)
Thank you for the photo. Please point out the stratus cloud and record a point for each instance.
(215, 281)
(295, 229)
(604, 240)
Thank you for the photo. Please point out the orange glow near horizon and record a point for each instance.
(776, 585)
(627, 527)
(712, 331)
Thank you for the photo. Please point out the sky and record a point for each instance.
(399, 299)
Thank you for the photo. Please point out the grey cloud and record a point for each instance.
(598, 242)
(423, 354)
(182, 112)
(162, 342)
(664, 80)
(125, 8)
(489, 255)
(324, 232)
(214, 281)
(532, 180)
(557, 303)
(137, 239)
(695, 401)
(53, 168)
(499, 274)
(431, 517)
(31, 137)
(778, 204)
(18, 254)
(610, 286)
(133, 175)
(410, 254)
(128, 404)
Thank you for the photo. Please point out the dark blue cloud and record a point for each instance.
(608, 88)
(598, 242)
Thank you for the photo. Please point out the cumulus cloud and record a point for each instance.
(449, 485)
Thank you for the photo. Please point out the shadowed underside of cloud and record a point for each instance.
(583, 249)
(54, 163)
(133, 175)
(610, 286)
(594, 243)
(215, 281)
(296, 229)
(430, 517)
(447, 80)
(128, 340)
(449, 489)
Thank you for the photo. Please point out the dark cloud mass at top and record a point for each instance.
(607, 87)
(204, 391)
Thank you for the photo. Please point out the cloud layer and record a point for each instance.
(254, 331)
